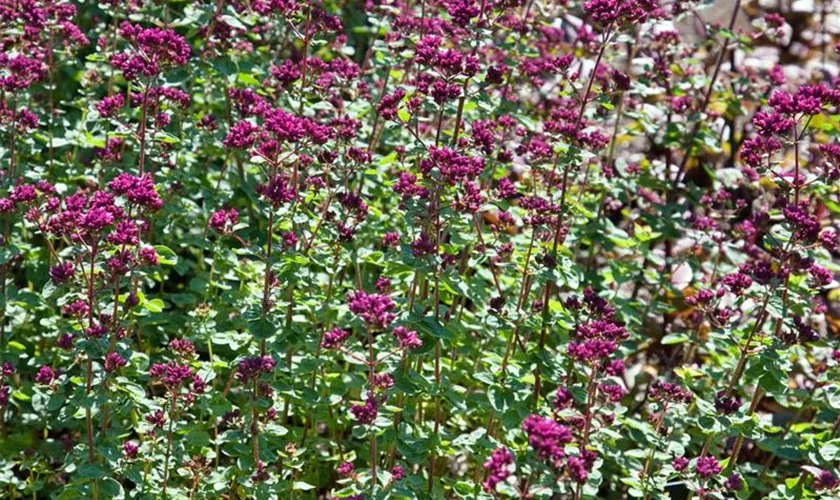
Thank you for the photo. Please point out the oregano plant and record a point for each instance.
(419, 249)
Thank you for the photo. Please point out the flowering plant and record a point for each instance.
(419, 249)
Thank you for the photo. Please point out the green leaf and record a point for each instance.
(300, 485)
(92, 471)
(165, 255)
(674, 338)
(154, 305)
(261, 328)
(431, 326)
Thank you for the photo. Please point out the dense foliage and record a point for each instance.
(419, 249)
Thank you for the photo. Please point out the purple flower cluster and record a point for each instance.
(61, 273)
(253, 368)
(451, 165)
(171, 374)
(152, 50)
(547, 437)
(366, 413)
(45, 375)
(707, 467)
(406, 338)
(138, 190)
(670, 392)
(224, 220)
(826, 481)
(375, 310)
(113, 361)
(498, 468)
(727, 404)
(334, 338)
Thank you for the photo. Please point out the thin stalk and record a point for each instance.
(742, 361)
(168, 445)
(649, 461)
(706, 99)
(371, 365)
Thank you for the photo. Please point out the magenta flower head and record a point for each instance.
(198, 384)
(130, 450)
(345, 469)
(152, 50)
(391, 239)
(252, 368)
(23, 193)
(577, 470)
(734, 482)
(614, 368)
(668, 391)
(383, 381)
(171, 374)
(680, 464)
(382, 284)
(406, 338)
(612, 392)
(727, 405)
(498, 468)
(114, 361)
(139, 191)
(6, 205)
(737, 282)
(422, 245)
(277, 191)
(125, 233)
(547, 437)
(335, 338)
(242, 135)
(374, 310)
(825, 480)
(563, 399)
(148, 256)
(61, 273)
(397, 472)
(183, 347)
(822, 276)
(156, 419)
(45, 375)
(591, 350)
(224, 220)
(366, 413)
(603, 11)
(707, 467)
(110, 105)
(261, 473)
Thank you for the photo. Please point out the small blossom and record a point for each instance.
(367, 412)
(727, 404)
(547, 437)
(374, 309)
(406, 338)
(334, 338)
(707, 467)
(61, 273)
(252, 368)
(498, 468)
(45, 375)
(114, 361)
(397, 472)
(734, 482)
